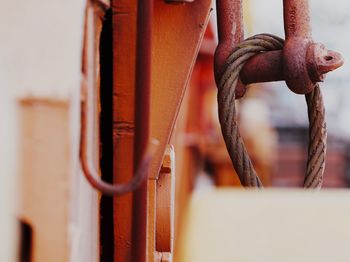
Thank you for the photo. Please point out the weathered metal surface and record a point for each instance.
(142, 118)
(264, 67)
(230, 33)
(151, 219)
(174, 50)
(269, 66)
(165, 203)
(91, 171)
(88, 112)
(179, 1)
(302, 62)
(124, 14)
(171, 67)
(160, 220)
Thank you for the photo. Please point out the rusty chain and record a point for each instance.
(229, 124)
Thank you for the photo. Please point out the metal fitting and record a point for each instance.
(302, 63)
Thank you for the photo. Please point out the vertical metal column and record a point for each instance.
(142, 109)
(230, 33)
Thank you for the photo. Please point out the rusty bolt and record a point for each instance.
(321, 61)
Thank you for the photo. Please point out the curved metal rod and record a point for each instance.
(91, 172)
(88, 104)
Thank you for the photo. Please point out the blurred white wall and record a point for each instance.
(40, 56)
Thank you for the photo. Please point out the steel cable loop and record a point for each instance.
(229, 123)
(317, 139)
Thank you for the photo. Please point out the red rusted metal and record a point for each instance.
(142, 104)
(302, 62)
(264, 67)
(320, 61)
(179, 1)
(230, 33)
(268, 66)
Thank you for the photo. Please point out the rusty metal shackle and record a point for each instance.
(302, 62)
(262, 58)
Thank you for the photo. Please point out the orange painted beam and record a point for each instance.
(124, 65)
(177, 35)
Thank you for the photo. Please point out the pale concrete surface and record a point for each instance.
(269, 225)
(40, 56)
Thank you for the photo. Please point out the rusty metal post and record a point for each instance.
(230, 32)
(298, 43)
(88, 116)
(142, 104)
(296, 14)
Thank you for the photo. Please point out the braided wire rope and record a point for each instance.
(229, 124)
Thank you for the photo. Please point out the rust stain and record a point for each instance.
(123, 128)
(36, 100)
